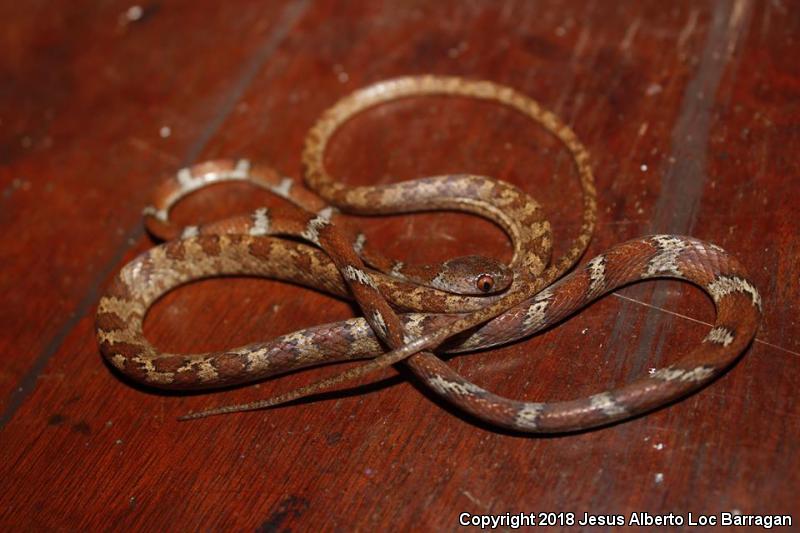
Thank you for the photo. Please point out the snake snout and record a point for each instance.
(475, 275)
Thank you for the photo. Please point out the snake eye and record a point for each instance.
(485, 283)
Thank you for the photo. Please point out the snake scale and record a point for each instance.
(449, 314)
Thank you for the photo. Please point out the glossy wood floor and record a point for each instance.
(690, 111)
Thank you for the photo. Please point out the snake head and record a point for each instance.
(473, 275)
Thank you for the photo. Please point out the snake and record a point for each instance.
(530, 304)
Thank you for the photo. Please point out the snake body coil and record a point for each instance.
(445, 321)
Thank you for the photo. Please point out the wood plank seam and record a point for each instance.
(682, 184)
(290, 16)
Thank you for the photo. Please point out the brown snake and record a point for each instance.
(244, 248)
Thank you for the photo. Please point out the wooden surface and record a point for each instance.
(689, 110)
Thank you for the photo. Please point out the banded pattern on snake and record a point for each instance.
(523, 310)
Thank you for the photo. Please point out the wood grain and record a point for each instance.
(690, 115)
